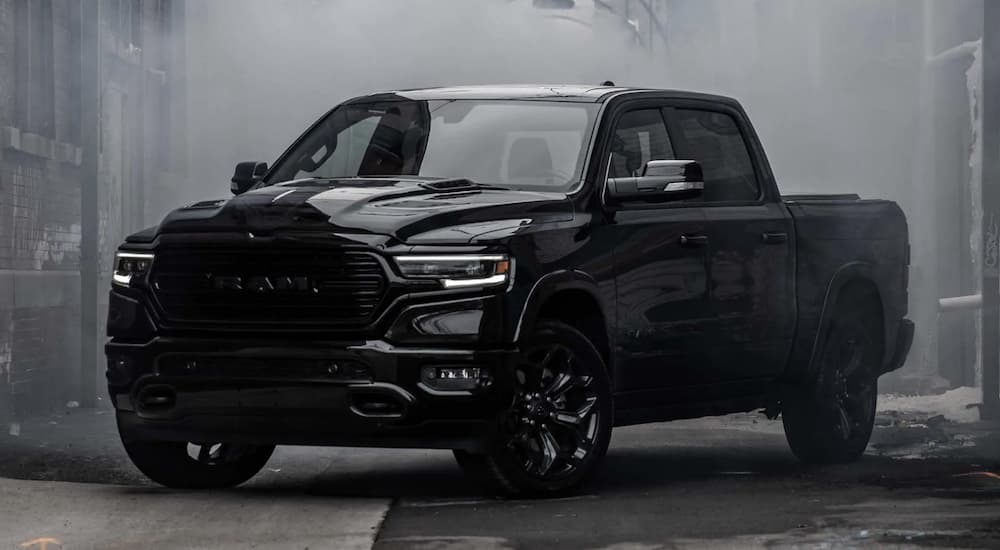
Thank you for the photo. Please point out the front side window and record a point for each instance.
(535, 145)
(641, 136)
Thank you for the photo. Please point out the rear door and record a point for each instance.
(750, 243)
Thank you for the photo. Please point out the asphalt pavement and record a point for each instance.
(725, 482)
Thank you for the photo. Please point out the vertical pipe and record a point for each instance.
(142, 141)
(991, 210)
(178, 91)
(90, 93)
(919, 202)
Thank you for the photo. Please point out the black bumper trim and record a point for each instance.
(469, 435)
(904, 340)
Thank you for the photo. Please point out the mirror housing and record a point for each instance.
(247, 175)
(661, 181)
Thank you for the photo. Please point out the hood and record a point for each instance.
(410, 210)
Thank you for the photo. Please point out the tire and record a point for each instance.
(830, 419)
(554, 436)
(213, 466)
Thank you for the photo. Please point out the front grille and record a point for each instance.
(260, 287)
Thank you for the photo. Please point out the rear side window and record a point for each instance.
(641, 136)
(714, 140)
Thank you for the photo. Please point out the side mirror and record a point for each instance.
(661, 181)
(247, 175)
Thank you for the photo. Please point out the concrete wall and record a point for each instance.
(41, 182)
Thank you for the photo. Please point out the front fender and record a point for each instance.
(547, 287)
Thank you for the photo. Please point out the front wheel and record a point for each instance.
(556, 431)
(182, 465)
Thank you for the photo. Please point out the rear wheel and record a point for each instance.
(556, 432)
(182, 465)
(831, 419)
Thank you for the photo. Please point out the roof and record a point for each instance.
(582, 94)
(571, 93)
(513, 91)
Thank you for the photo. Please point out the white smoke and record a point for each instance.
(261, 71)
(833, 86)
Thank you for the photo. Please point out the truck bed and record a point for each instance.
(837, 235)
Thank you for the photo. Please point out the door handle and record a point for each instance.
(693, 241)
(774, 238)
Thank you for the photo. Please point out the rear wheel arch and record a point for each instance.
(853, 283)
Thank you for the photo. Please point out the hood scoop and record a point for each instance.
(454, 184)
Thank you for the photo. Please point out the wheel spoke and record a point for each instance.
(843, 421)
(576, 418)
(581, 452)
(561, 383)
(205, 452)
(550, 450)
(549, 354)
(853, 363)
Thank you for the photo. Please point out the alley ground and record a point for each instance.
(712, 483)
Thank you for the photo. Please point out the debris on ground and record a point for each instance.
(957, 405)
(919, 426)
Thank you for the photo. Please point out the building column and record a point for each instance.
(90, 94)
(991, 210)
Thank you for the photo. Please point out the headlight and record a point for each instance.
(459, 270)
(128, 264)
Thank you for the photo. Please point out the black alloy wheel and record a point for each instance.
(832, 421)
(558, 426)
(182, 465)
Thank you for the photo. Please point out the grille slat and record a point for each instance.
(261, 287)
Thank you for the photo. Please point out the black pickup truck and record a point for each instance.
(509, 272)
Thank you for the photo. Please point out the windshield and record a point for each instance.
(519, 144)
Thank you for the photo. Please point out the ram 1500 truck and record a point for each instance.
(508, 272)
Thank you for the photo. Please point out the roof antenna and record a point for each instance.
(607, 83)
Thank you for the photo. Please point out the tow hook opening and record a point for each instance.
(379, 403)
(156, 398)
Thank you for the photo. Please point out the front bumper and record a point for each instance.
(303, 393)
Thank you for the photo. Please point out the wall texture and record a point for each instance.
(41, 176)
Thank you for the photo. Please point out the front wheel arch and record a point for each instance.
(570, 297)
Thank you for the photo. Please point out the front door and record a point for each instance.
(661, 271)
